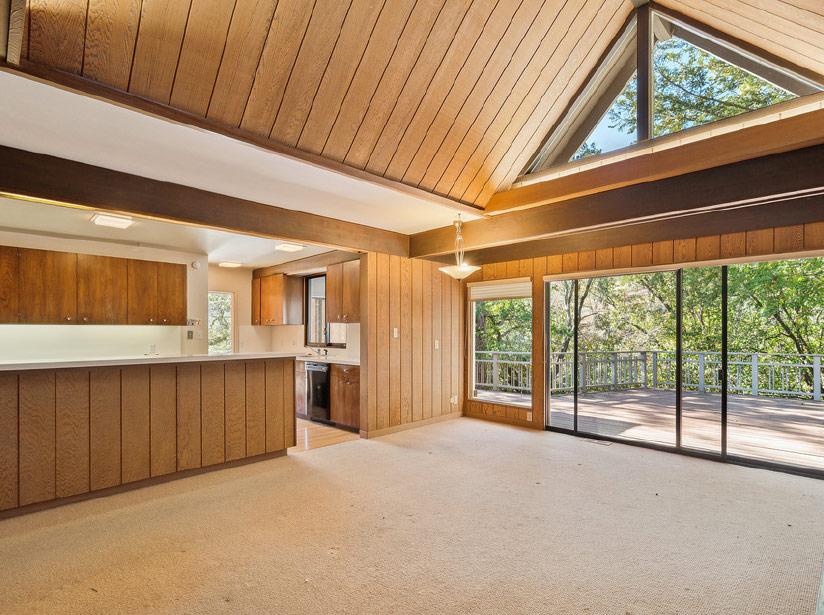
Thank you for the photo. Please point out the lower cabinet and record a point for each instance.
(345, 395)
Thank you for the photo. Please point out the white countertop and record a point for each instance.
(7, 366)
(313, 358)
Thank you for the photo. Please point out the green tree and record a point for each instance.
(220, 322)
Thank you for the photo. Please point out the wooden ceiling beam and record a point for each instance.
(773, 177)
(48, 179)
(786, 134)
(308, 264)
(87, 87)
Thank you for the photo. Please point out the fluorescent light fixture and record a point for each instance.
(288, 247)
(230, 265)
(112, 221)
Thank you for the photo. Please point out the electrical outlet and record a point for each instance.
(190, 335)
(395, 332)
(437, 344)
(529, 416)
(453, 400)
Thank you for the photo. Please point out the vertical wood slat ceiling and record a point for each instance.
(453, 96)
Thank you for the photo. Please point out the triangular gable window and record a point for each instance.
(694, 79)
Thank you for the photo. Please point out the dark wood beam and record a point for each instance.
(304, 265)
(783, 135)
(781, 213)
(772, 177)
(87, 87)
(49, 179)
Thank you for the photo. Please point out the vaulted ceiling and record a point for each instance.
(452, 96)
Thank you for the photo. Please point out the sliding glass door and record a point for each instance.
(717, 361)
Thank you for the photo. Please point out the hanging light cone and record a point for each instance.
(460, 269)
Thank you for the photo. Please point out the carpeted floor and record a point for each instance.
(459, 517)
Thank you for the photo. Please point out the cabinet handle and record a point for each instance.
(85, 319)
(151, 320)
(165, 321)
(68, 318)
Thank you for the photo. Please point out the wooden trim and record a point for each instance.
(766, 178)
(376, 433)
(87, 87)
(16, 31)
(49, 179)
(309, 263)
(643, 110)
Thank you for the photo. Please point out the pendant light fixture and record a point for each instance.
(460, 269)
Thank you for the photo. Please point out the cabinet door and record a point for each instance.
(294, 293)
(351, 292)
(345, 395)
(171, 294)
(101, 290)
(334, 293)
(142, 292)
(271, 300)
(9, 304)
(256, 301)
(48, 286)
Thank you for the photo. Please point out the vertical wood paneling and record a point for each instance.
(188, 416)
(383, 341)
(427, 341)
(538, 343)
(760, 242)
(789, 238)
(662, 252)
(274, 406)
(555, 264)
(394, 341)
(684, 250)
(437, 340)
(111, 32)
(37, 437)
(372, 340)
(213, 413)
(56, 33)
(71, 432)
(235, 404)
(814, 236)
(456, 327)
(104, 427)
(135, 417)
(406, 340)
(707, 248)
(733, 245)
(642, 255)
(622, 257)
(446, 342)
(603, 259)
(8, 441)
(416, 306)
(255, 408)
(163, 419)
(569, 263)
(289, 403)
(586, 260)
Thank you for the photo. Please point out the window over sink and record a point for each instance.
(320, 333)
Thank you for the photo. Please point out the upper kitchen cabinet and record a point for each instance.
(280, 299)
(47, 284)
(142, 292)
(171, 294)
(343, 292)
(9, 303)
(255, 301)
(101, 290)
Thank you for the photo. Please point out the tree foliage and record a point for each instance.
(220, 323)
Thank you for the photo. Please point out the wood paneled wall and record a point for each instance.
(68, 432)
(411, 343)
(764, 242)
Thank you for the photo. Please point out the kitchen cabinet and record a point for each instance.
(9, 304)
(281, 300)
(343, 292)
(255, 301)
(101, 290)
(142, 292)
(47, 286)
(345, 395)
(171, 294)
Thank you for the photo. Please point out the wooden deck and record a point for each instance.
(789, 431)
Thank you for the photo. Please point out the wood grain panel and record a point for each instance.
(111, 33)
(8, 440)
(188, 416)
(104, 428)
(789, 238)
(9, 295)
(603, 259)
(369, 393)
(642, 255)
(162, 25)
(416, 307)
(200, 54)
(135, 418)
(814, 236)
(406, 340)
(275, 440)
(101, 290)
(71, 432)
(662, 252)
(555, 264)
(171, 294)
(56, 32)
(760, 242)
(289, 433)
(142, 292)
(213, 413)
(383, 325)
(569, 263)
(255, 408)
(235, 405)
(446, 343)
(437, 340)
(586, 260)
(48, 287)
(733, 245)
(427, 341)
(163, 419)
(684, 250)
(37, 437)
(250, 26)
(707, 248)
(394, 341)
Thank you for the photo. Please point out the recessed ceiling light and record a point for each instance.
(229, 265)
(112, 221)
(288, 247)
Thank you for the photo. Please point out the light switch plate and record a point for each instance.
(437, 344)
(395, 332)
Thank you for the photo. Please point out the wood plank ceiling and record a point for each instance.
(453, 96)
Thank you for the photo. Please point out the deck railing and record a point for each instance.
(781, 375)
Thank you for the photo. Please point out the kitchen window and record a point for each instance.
(320, 333)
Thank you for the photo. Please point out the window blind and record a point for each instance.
(500, 289)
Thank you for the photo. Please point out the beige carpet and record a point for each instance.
(459, 517)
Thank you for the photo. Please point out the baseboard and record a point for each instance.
(138, 484)
(376, 433)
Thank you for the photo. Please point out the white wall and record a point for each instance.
(239, 281)
(292, 339)
(34, 342)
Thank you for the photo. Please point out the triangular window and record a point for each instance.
(694, 78)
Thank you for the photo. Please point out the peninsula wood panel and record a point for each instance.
(803, 238)
(89, 429)
(445, 95)
(414, 376)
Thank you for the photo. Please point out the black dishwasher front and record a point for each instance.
(317, 391)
